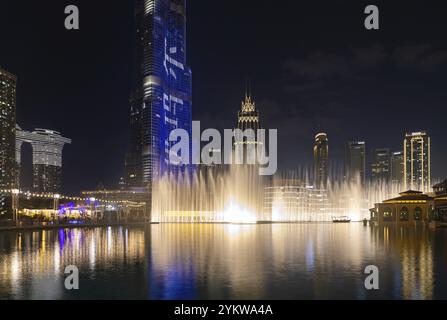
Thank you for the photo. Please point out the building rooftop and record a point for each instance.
(9, 74)
(441, 185)
(416, 134)
(321, 135)
(410, 196)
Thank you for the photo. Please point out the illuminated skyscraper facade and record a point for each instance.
(248, 116)
(397, 167)
(47, 158)
(8, 170)
(417, 167)
(7, 129)
(380, 166)
(162, 99)
(355, 161)
(321, 158)
(248, 119)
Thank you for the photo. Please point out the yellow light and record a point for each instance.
(234, 213)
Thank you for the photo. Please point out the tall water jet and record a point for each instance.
(231, 194)
(238, 194)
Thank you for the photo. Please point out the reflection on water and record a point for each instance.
(205, 261)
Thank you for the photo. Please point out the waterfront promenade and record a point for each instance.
(49, 226)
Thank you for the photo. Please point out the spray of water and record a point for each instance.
(212, 194)
(237, 194)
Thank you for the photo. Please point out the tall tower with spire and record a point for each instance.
(248, 118)
(162, 98)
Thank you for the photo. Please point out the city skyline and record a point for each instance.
(236, 150)
(104, 133)
(382, 166)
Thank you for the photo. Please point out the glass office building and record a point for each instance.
(380, 166)
(355, 161)
(321, 160)
(397, 167)
(162, 99)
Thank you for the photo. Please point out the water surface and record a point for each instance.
(205, 261)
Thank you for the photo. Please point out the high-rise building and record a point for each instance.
(355, 161)
(134, 156)
(248, 116)
(380, 166)
(248, 119)
(321, 158)
(397, 167)
(162, 99)
(417, 169)
(8, 170)
(47, 148)
(7, 129)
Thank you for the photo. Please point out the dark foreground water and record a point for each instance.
(279, 261)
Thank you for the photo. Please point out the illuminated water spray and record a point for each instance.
(237, 194)
(227, 194)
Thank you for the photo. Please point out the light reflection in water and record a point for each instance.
(208, 261)
(34, 262)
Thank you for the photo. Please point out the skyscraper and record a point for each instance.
(417, 169)
(248, 116)
(380, 166)
(397, 167)
(321, 158)
(248, 119)
(47, 157)
(7, 129)
(8, 172)
(134, 156)
(355, 161)
(162, 98)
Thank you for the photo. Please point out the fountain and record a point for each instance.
(222, 194)
(237, 194)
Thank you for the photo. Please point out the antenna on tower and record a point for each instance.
(247, 89)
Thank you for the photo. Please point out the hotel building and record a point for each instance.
(47, 148)
(417, 168)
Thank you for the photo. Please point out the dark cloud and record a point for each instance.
(410, 55)
(351, 62)
(433, 60)
(318, 64)
(423, 57)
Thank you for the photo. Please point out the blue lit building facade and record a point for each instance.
(162, 99)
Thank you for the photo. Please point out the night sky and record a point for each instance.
(312, 64)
